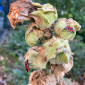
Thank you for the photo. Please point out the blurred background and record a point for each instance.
(13, 45)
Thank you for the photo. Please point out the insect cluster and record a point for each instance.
(48, 37)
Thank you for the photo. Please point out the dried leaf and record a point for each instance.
(68, 66)
(62, 31)
(30, 27)
(47, 7)
(50, 47)
(62, 58)
(33, 36)
(36, 4)
(42, 78)
(77, 26)
(19, 12)
(47, 15)
(37, 57)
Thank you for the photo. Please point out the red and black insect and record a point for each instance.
(27, 65)
(69, 28)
